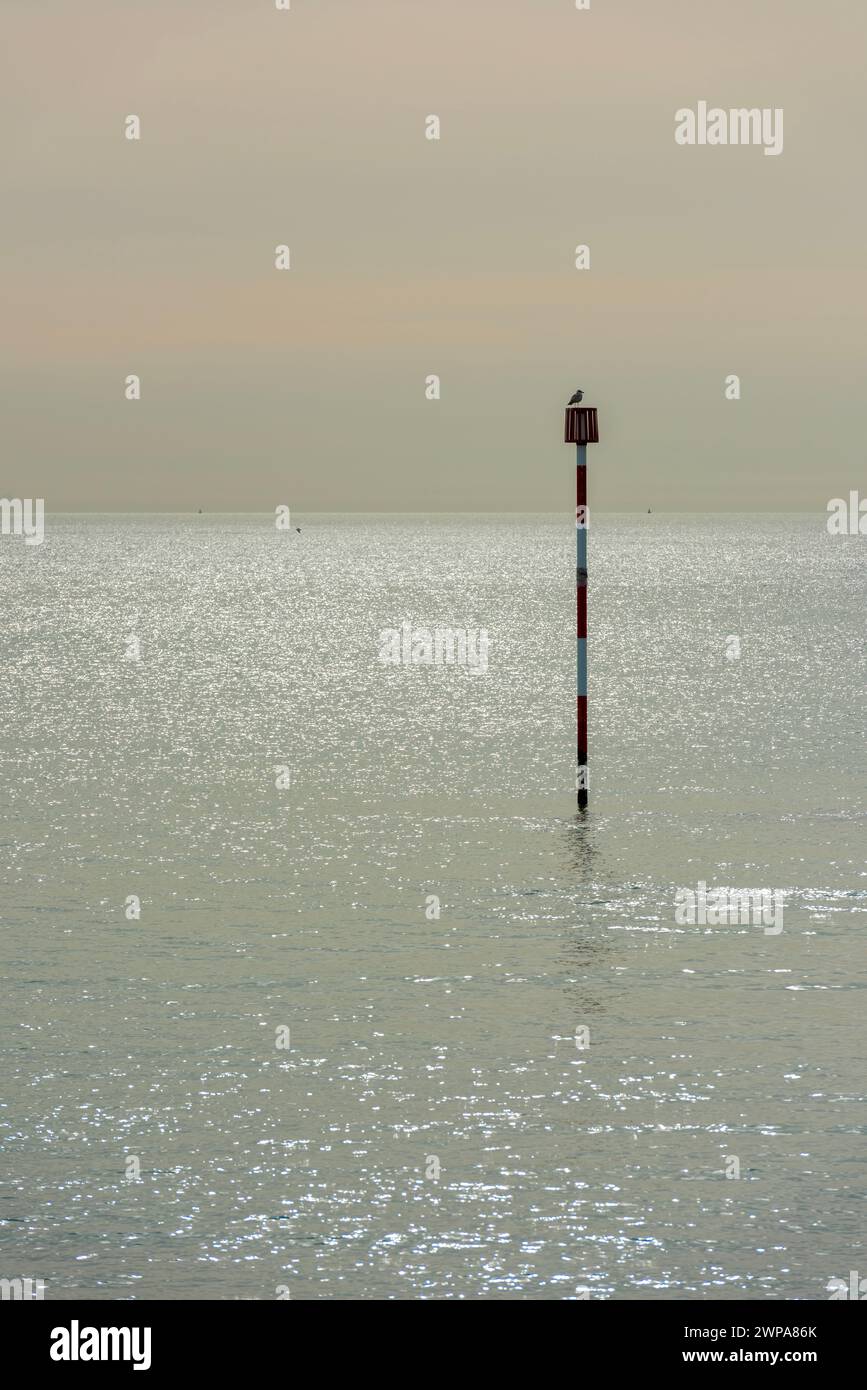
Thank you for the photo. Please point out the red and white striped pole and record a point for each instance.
(582, 428)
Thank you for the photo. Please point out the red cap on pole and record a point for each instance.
(582, 425)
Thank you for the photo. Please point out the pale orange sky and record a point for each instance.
(413, 257)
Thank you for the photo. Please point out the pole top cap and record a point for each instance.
(582, 425)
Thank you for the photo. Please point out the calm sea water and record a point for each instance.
(420, 1043)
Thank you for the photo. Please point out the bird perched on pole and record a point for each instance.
(577, 398)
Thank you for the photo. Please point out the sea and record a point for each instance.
(318, 985)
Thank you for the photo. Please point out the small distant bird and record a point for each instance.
(577, 398)
(298, 529)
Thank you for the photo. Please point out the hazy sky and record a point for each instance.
(412, 257)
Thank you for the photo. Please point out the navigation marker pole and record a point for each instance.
(582, 428)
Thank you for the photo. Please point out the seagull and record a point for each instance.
(577, 398)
